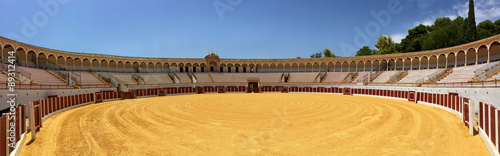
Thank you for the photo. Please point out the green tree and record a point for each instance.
(497, 26)
(471, 31)
(328, 53)
(364, 51)
(413, 41)
(317, 55)
(485, 29)
(385, 45)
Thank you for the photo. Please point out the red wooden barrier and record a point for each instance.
(411, 96)
(493, 124)
(347, 91)
(3, 134)
(284, 90)
(481, 115)
(486, 119)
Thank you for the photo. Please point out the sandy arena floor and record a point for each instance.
(255, 124)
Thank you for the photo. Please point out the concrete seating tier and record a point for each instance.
(155, 78)
(335, 76)
(183, 77)
(89, 79)
(41, 76)
(415, 75)
(384, 76)
(203, 77)
(461, 74)
(302, 77)
(494, 77)
(243, 77)
(359, 78)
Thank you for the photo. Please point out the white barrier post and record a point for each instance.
(32, 126)
(472, 118)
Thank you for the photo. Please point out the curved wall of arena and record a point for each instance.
(477, 52)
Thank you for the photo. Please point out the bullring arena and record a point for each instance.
(440, 102)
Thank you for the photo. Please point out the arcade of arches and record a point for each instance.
(482, 51)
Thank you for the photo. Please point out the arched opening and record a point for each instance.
(77, 64)
(265, 68)
(345, 66)
(112, 66)
(86, 64)
(120, 67)
(151, 67)
(309, 67)
(482, 54)
(272, 68)
(376, 65)
(61, 61)
(203, 68)
(180, 67)
(5, 54)
(237, 68)
(323, 67)
(433, 62)
(495, 51)
(166, 67)
(295, 67)
(331, 67)
(135, 67)
(143, 68)
(315, 67)
(338, 67)
(450, 60)
(287, 68)
(461, 58)
(302, 67)
(223, 68)
(280, 67)
(188, 67)
(53, 65)
(399, 64)
(94, 65)
(43, 62)
(104, 65)
(128, 67)
(471, 56)
(20, 56)
(158, 67)
(415, 63)
(360, 66)
(31, 58)
(368, 65)
(70, 65)
(213, 66)
(441, 61)
(258, 68)
(424, 63)
(407, 64)
(391, 64)
(352, 66)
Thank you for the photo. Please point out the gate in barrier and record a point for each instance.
(465, 117)
(98, 97)
(347, 91)
(411, 96)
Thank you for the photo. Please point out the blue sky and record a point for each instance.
(232, 28)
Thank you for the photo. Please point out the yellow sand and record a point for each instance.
(255, 124)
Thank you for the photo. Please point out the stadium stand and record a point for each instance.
(303, 77)
(384, 76)
(243, 77)
(335, 76)
(418, 75)
(461, 74)
(123, 77)
(156, 78)
(183, 77)
(203, 78)
(360, 77)
(41, 76)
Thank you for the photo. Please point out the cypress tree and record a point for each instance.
(471, 32)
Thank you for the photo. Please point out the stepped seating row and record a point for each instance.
(183, 77)
(335, 76)
(41, 76)
(156, 78)
(303, 77)
(461, 74)
(494, 77)
(416, 75)
(360, 77)
(243, 77)
(89, 79)
(384, 76)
